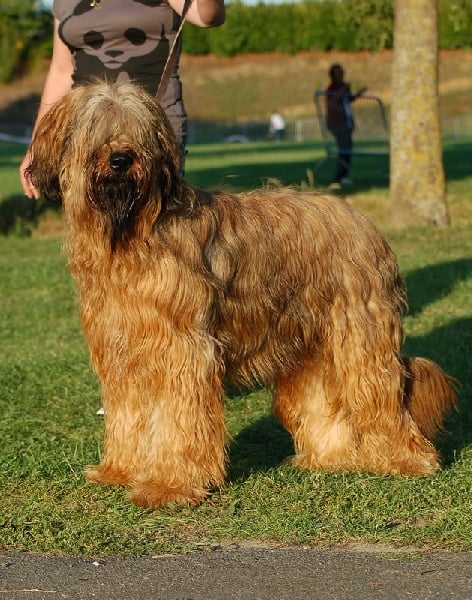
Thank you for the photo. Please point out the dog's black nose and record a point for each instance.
(120, 161)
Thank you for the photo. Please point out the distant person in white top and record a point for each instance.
(276, 126)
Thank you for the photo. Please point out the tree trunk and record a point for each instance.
(417, 183)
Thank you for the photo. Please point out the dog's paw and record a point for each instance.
(153, 494)
(303, 461)
(106, 475)
(420, 464)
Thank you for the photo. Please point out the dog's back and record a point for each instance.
(281, 262)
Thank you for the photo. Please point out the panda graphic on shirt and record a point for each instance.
(119, 40)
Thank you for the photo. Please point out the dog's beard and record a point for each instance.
(121, 200)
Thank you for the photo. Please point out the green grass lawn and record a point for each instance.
(49, 395)
(245, 166)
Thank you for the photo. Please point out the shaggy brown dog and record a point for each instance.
(180, 288)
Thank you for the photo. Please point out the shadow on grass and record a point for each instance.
(17, 214)
(450, 346)
(434, 282)
(20, 215)
(456, 158)
(21, 112)
(259, 447)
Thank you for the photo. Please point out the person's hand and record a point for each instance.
(26, 183)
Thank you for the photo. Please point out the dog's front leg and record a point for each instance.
(125, 421)
(166, 438)
(181, 445)
(185, 454)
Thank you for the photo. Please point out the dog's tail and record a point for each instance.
(429, 394)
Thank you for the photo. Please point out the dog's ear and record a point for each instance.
(48, 148)
(168, 164)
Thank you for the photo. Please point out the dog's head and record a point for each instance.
(111, 149)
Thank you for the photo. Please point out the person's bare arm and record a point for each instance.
(58, 82)
(203, 13)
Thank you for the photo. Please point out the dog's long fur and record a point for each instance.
(180, 288)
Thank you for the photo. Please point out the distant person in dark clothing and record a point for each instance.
(340, 122)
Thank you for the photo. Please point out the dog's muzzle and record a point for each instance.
(120, 162)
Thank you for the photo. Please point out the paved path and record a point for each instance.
(241, 574)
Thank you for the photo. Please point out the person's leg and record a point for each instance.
(344, 140)
(340, 166)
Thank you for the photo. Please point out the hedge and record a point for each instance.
(349, 25)
(25, 36)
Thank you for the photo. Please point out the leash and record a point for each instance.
(171, 59)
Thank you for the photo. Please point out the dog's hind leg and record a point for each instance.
(323, 436)
(348, 410)
(364, 377)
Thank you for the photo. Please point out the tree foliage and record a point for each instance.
(25, 35)
(349, 25)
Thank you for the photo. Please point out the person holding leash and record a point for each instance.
(122, 40)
